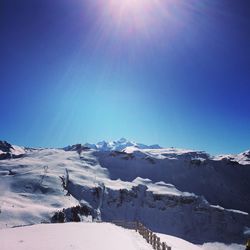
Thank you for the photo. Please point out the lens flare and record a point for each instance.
(143, 17)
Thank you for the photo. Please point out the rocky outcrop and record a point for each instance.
(8, 151)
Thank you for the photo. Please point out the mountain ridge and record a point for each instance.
(170, 190)
(119, 145)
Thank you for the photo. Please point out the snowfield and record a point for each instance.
(77, 236)
(183, 193)
(90, 236)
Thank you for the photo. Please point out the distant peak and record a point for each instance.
(246, 153)
(119, 145)
(122, 140)
(5, 146)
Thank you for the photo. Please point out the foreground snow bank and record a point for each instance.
(177, 243)
(180, 244)
(221, 246)
(90, 236)
(68, 236)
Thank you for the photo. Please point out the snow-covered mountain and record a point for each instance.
(119, 145)
(184, 193)
(221, 181)
(242, 158)
(8, 151)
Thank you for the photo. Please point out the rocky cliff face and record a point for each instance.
(222, 182)
(190, 217)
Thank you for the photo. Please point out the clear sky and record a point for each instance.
(172, 72)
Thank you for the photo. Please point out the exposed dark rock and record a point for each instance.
(5, 156)
(76, 147)
(73, 214)
(58, 217)
(5, 146)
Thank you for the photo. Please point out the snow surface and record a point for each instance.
(180, 244)
(167, 153)
(36, 184)
(221, 246)
(77, 236)
(16, 150)
(242, 158)
(163, 188)
(90, 236)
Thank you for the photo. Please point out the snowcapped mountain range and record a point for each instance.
(119, 145)
(184, 193)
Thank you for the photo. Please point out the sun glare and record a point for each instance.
(139, 15)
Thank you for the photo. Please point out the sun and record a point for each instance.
(138, 20)
(132, 14)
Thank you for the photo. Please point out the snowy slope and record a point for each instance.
(242, 158)
(91, 236)
(180, 244)
(127, 185)
(77, 236)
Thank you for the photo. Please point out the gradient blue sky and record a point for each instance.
(172, 72)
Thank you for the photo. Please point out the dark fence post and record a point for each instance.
(154, 241)
(163, 246)
(151, 237)
(158, 244)
(148, 235)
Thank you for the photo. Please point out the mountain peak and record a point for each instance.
(119, 145)
(122, 140)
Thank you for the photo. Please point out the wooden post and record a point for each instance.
(158, 244)
(164, 246)
(150, 237)
(147, 236)
(154, 241)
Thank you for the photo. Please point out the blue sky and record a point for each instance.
(174, 72)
